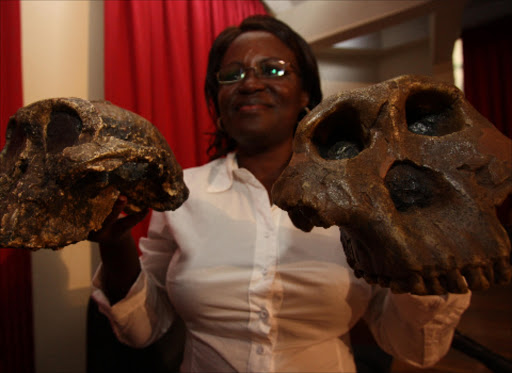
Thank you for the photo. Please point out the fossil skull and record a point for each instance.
(65, 162)
(412, 174)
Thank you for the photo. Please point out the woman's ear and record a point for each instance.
(304, 99)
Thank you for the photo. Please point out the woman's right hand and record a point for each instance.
(115, 228)
(118, 250)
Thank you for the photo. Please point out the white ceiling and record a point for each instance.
(402, 25)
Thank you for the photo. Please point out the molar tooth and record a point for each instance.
(475, 278)
(417, 284)
(456, 282)
(488, 273)
(502, 271)
(435, 286)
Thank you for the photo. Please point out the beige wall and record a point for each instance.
(62, 55)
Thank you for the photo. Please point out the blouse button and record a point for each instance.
(263, 314)
(259, 350)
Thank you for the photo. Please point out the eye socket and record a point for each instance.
(339, 136)
(432, 113)
(63, 130)
(15, 143)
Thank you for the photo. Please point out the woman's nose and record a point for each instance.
(251, 80)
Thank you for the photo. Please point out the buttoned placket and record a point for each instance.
(262, 287)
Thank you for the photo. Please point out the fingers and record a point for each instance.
(114, 226)
(126, 223)
(117, 209)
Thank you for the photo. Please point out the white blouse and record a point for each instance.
(259, 295)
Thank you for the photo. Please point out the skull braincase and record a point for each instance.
(66, 161)
(412, 175)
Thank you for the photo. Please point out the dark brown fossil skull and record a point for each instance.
(412, 174)
(66, 161)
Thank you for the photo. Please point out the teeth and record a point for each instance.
(455, 282)
(475, 278)
(417, 284)
(434, 286)
(488, 273)
(502, 271)
(485, 282)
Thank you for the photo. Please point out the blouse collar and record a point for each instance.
(221, 175)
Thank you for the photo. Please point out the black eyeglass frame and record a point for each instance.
(287, 68)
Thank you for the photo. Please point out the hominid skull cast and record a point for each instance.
(66, 161)
(412, 175)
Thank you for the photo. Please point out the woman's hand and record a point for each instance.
(116, 228)
(118, 250)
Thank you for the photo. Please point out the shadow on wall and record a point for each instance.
(59, 315)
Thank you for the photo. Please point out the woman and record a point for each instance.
(255, 293)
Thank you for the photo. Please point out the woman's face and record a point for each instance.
(261, 112)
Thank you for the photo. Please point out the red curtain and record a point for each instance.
(155, 63)
(16, 328)
(487, 51)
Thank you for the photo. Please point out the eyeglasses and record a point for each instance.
(271, 68)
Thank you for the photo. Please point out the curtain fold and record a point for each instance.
(16, 325)
(155, 64)
(487, 52)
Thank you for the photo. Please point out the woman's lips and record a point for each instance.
(252, 107)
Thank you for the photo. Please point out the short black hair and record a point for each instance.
(221, 143)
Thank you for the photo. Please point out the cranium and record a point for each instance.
(412, 174)
(66, 161)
